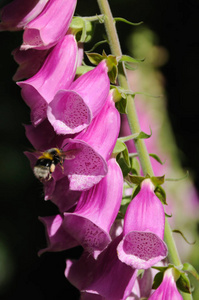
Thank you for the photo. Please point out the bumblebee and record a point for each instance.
(48, 160)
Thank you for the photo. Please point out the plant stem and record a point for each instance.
(134, 123)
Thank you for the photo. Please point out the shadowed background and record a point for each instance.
(22, 272)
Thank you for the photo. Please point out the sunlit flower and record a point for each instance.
(142, 245)
(167, 289)
(49, 26)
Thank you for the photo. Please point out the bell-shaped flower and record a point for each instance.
(30, 61)
(72, 110)
(90, 222)
(16, 14)
(103, 131)
(57, 239)
(57, 72)
(142, 245)
(43, 136)
(96, 211)
(50, 26)
(107, 276)
(94, 145)
(167, 289)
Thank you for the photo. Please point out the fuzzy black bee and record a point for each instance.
(48, 160)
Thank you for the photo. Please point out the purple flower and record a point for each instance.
(72, 110)
(107, 276)
(57, 239)
(57, 73)
(30, 61)
(89, 224)
(167, 289)
(16, 15)
(50, 26)
(96, 211)
(142, 245)
(103, 131)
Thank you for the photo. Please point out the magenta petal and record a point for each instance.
(107, 276)
(145, 212)
(167, 289)
(96, 210)
(43, 136)
(40, 89)
(68, 113)
(103, 131)
(93, 87)
(141, 250)
(50, 26)
(57, 238)
(86, 169)
(29, 61)
(15, 15)
(62, 196)
(111, 278)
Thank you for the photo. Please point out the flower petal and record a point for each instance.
(40, 89)
(96, 210)
(50, 26)
(86, 169)
(15, 15)
(103, 131)
(57, 238)
(145, 212)
(141, 250)
(107, 276)
(68, 113)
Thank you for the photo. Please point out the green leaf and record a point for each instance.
(96, 45)
(157, 280)
(183, 283)
(135, 165)
(178, 179)
(128, 138)
(157, 180)
(189, 268)
(95, 58)
(124, 167)
(126, 21)
(143, 135)
(180, 232)
(83, 69)
(112, 68)
(127, 58)
(156, 158)
(168, 216)
(129, 67)
(119, 147)
(134, 136)
(121, 106)
(160, 193)
(136, 179)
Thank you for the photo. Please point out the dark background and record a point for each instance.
(23, 273)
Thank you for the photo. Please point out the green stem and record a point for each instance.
(134, 123)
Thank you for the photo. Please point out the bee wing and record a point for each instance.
(70, 154)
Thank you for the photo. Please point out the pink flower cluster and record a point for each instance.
(79, 114)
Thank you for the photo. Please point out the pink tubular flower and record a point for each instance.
(16, 15)
(107, 276)
(167, 289)
(57, 239)
(96, 211)
(50, 26)
(72, 110)
(57, 72)
(142, 245)
(89, 224)
(30, 61)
